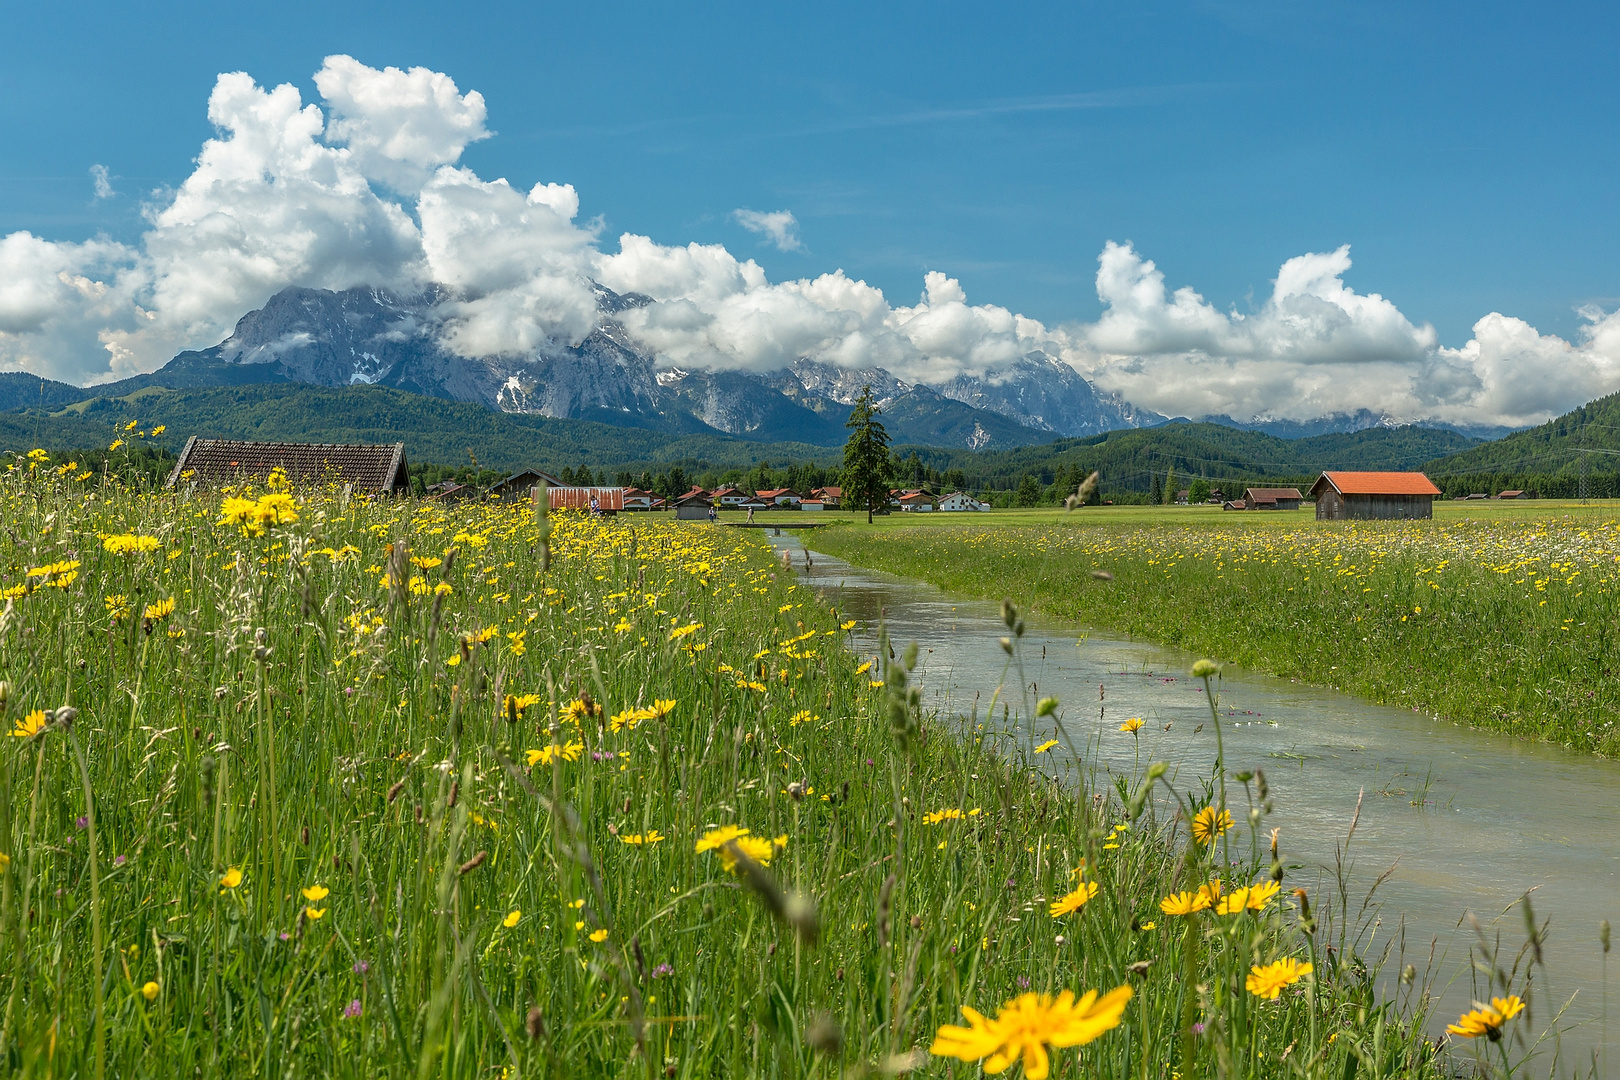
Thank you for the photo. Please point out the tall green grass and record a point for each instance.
(397, 704)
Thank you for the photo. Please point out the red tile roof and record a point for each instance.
(1378, 483)
(371, 467)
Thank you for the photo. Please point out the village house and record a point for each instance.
(914, 501)
(1373, 495)
(958, 501)
(830, 497)
(1183, 497)
(378, 468)
(1514, 494)
(781, 498)
(637, 499)
(729, 497)
(1235, 504)
(1273, 498)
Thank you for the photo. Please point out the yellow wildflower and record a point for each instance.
(512, 918)
(1027, 1025)
(1045, 746)
(150, 991)
(1486, 1020)
(316, 893)
(1209, 824)
(1134, 724)
(1076, 900)
(30, 725)
(1268, 980)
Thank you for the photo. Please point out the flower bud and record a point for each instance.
(1203, 669)
(1046, 707)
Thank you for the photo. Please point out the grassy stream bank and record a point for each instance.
(1508, 624)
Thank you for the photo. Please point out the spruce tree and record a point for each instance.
(866, 457)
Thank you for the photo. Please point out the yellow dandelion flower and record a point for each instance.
(1269, 980)
(954, 814)
(718, 838)
(30, 725)
(1076, 900)
(1209, 824)
(129, 543)
(1184, 903)
(160, 610)
(1045, 746)
(756, 848)
(1134, 724)
(1027, 1025)
(1486, 1020)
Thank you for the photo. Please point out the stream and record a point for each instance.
(1464, 821)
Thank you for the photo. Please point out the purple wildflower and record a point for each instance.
(83, 822)
(121, 860)
(361, 967)
(353, 1010)
(661, 970)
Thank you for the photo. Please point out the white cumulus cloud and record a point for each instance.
(367, 187)
(778, 227)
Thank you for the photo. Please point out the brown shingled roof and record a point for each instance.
(369, 467)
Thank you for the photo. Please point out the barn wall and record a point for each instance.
(1388, 507)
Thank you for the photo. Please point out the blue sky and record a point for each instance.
(1468, 154)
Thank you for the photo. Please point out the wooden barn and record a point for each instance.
(1273, 498)
(377, 468)
(1342, 496)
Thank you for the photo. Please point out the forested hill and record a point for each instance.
(1553, 448)
(432, 429)
(1131, 460)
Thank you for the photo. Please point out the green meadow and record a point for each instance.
(1499, 615)
(303, 785)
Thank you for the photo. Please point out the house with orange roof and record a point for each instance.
(1342, 496)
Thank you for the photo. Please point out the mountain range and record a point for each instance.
(366, 336)
(344, 341)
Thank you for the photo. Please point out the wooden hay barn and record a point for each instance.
(1342, 496)
(1273, 498)
(378, 468)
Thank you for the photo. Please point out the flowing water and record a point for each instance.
(1466, 821)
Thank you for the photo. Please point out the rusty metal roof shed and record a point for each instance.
(367, 466)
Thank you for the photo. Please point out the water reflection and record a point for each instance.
(1468, 820)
